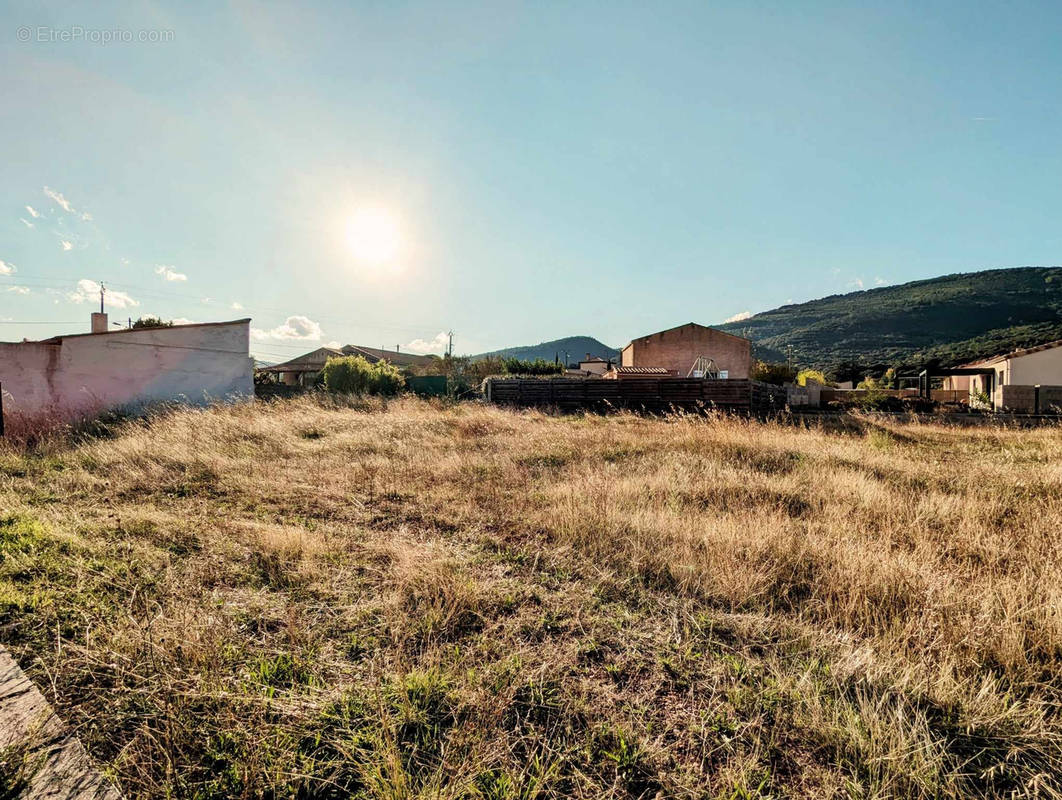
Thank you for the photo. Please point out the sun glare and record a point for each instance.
(374, 236)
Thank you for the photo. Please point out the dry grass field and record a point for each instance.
(311, 599)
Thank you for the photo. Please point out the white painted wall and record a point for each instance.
(72, 377)
(1042, 367)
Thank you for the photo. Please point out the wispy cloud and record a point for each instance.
(19, 289)
(236, 306)
(294, 327)
(63, 203)
(66, 245)
(879, 281)
(59, 200)
(436, 345)
(169, 273)
(739, 316)
(856, 283)
(26, 222)
(7, 268)
(89, 292)
(32, 212)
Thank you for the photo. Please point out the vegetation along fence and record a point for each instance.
(650, 394)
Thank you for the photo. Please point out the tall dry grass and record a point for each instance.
(310, 599)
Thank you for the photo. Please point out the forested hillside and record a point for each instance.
(951, 319)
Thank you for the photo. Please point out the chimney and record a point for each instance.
(587, 356)
(99, 322)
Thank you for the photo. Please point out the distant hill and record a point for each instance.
(576, 346)
(951, 320)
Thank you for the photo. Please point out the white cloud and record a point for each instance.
(436, 345)
(61, 201)
(879, 281)
(857, 283)
(294, 327)
(19, 289)
(183, 321)
(89, 292)
(86, 216)
(66, 245)
(26, 222)
(169, 273)
(739, 316)
(7, 268)
(33, 212)
(236, 306)
(334, 345)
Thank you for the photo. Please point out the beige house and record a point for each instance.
(1017, 376)
(678, 350)
(593, 365)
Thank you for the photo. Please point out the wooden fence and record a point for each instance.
(654, 394)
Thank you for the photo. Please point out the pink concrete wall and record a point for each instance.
(72, 377)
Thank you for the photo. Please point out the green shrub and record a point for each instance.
(152, 322)
(772, 373)
(355, 375)
(815, 375)
(516, 366)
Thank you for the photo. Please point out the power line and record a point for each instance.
(167, 295)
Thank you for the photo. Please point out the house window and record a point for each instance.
(724, 374)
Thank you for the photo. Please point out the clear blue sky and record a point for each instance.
(553, 168)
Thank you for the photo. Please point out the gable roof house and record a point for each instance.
(591, 366)
(1022, 379)
(68, 378)
(678, 351)
(303, 370)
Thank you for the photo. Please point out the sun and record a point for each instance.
(374, 236)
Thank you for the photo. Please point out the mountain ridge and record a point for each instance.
(947, 320)
(577, 348)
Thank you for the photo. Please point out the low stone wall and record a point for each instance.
(1019, 399)
(1049, 400)
(1023, 399)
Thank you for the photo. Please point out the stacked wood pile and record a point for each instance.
(653, 394)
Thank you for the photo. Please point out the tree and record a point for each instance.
(814, 375)
(152, 322)
(515, 366)
(768, 372)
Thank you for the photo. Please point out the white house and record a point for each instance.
(1024, 380)
(67, 378)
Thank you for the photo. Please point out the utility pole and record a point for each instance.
(450, 347)
(789, 356)
(102, 291)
